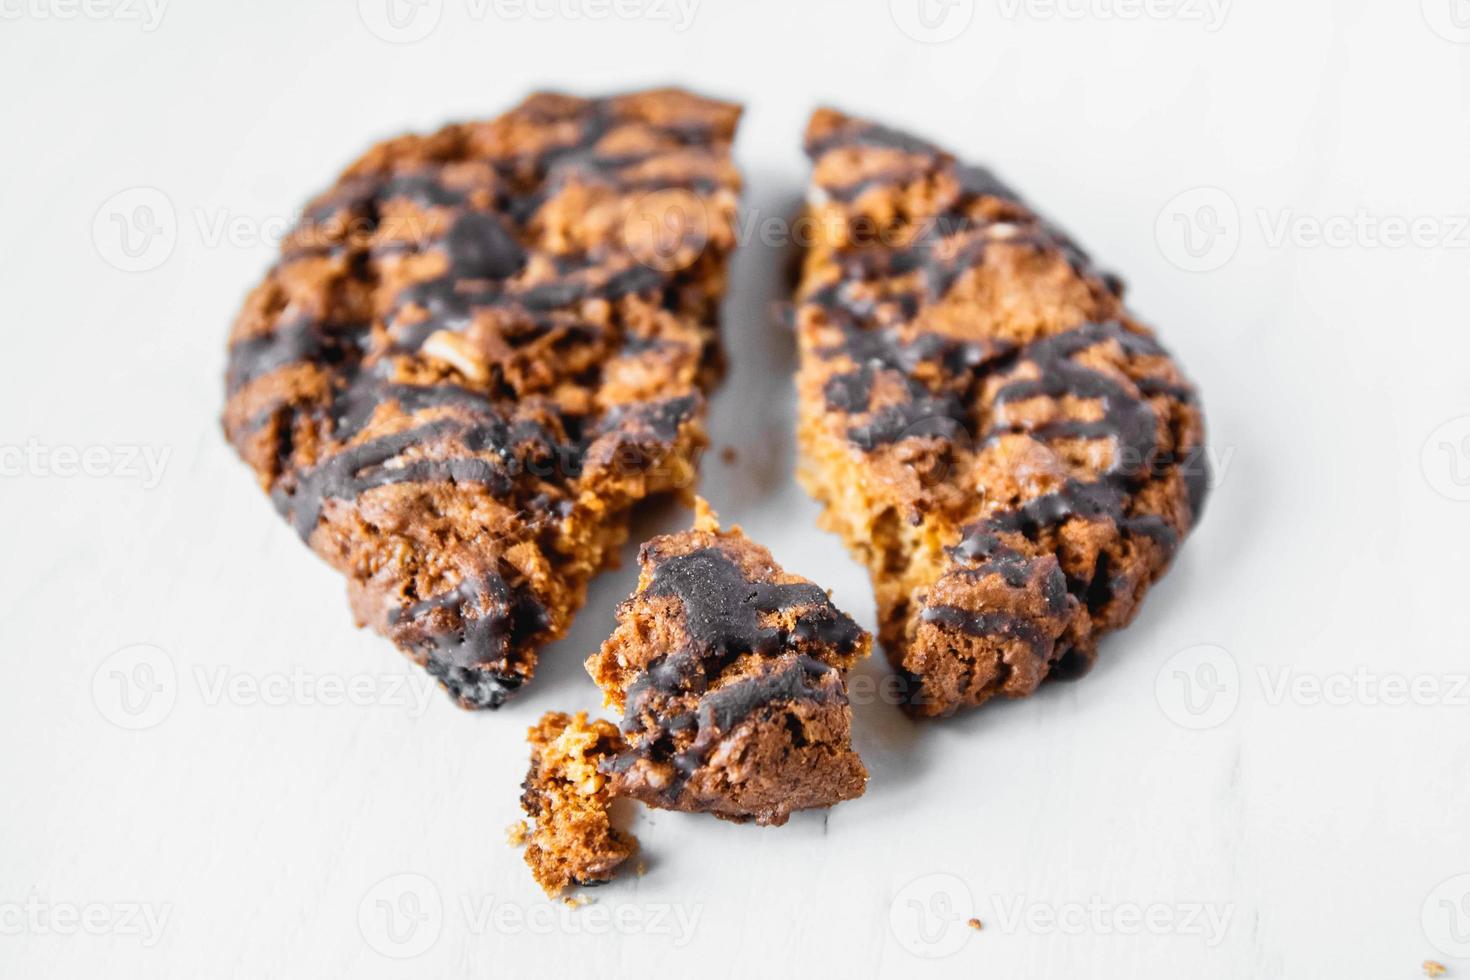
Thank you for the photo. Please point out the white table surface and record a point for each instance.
(208, 772)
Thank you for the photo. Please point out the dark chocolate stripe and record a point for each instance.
(299, 341)
(362, 467)
(720, 712)
(989, 624)
(486, 618)
(726, 708)
(722, 617)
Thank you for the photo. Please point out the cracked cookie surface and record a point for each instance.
(730, 674)
(477, 351)
(1014, 457)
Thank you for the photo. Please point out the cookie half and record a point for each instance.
(730, 674)
(1014, 457)
(477, 351)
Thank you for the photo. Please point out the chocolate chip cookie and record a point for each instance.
(477, 351)
(1014, 457)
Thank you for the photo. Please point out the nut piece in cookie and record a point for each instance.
(473, 357)
(730, 674)
(565, 793)
(1014, 457)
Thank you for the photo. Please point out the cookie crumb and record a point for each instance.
(574, 841)
(1434, 969)
(975, 924)
(576, 901)
(516, 833)
(729, 456)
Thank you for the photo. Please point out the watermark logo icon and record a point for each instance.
(135, 230)
(930, 916)
(1450, 19)
(932, 21)
(1199, 687)
(400, 21)
(135, 688)
(1445, 459)
(1199, 229)
(401, 916)
(1446, 916)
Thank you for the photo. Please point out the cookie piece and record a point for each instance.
(1013, 456)
(477, 351)
(730, 676)
(565, 793)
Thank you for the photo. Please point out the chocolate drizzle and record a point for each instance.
(923, 411)
(334, 357)
(365, 466)
(291, 343)
(906, 382)
(989, 624)
(468, 634)
(727, 615)
(1129, 424)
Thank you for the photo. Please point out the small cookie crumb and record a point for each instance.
(574, 841)
(516, 833)
(576, 901)
(729, 456)
(1434, 969)
(976, 924)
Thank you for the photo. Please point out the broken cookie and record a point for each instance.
(1014, 457)
(566, 794)
(477, 352)
(730, 676)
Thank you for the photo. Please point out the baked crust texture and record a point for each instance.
(1014, 457)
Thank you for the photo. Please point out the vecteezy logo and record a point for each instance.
(932, 21)
(1446, 916)
(667, 230)
(1199, 230)
(401, 916)
(400, 21)
(929, 916)
(1199, 687)
(136, 230)
(136, 687)
(1450, 19)
(1445, 459)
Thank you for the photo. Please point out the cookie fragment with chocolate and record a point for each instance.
(567, 795)
(1011, 453)
(477, 351)
(730, 674)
